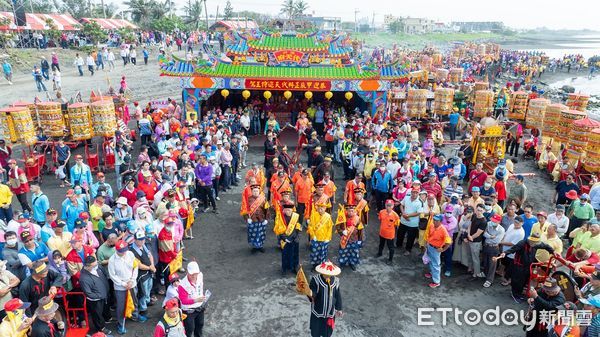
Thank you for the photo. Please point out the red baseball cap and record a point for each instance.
(172, 304)
(389, 202)
(15, 304)
(496, 218)
(84, 216)
(121, 246)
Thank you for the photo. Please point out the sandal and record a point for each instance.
(487, 284)
(505, 283)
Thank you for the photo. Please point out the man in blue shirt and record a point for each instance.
(453, 122)
(319, 120)
(402, 146)
(32, 251)
(39, 202)
(528, 219)
(382, 183)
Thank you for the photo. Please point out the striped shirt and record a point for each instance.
(449, 190)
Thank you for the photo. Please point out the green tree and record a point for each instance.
(94, 32)
(168, 24)
(300, 7)
(228, 13)
(53, 31)
(39, 6)
(193, 14)
(127, 35)
(143, 11)
(288, 8)
(396, 26)
(77, 8)
(5, 36)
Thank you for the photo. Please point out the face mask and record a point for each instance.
(11, 242)
(169, 229)
(78, 192)
(487, 185)
(448, 214)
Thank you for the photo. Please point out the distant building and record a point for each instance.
(234, 24)
(410, 25)
(417, 25)
(473, 26)
(326, 23)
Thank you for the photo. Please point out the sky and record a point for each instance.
(581, 14)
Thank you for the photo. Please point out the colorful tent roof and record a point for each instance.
(38, 21)
(111, 23)
(186, 69)
(272, 43)
(237, 24)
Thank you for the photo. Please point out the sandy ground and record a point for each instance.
(143, 80)
(250, 298)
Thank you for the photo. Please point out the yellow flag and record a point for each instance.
(129, 305)
(429, 225)
(341, 215)
(302, 286)
(176, 263)
(279, 227)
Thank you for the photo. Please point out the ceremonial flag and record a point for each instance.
(279, 223)
(129, 305)
(302, 286)
(176, 264)
(429, 225)
(341, 215)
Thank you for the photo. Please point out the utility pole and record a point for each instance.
(103, 8)
(206, 13)
(373, 23)
(356, 11)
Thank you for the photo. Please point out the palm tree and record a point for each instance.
(288, 8)
(300, 7)
(142, 11)
(193, 13)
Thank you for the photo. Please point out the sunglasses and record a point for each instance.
(27, 241)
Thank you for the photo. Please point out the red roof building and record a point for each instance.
(111, 23)
(38, 22)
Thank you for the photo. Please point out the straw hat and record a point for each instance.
(46, 306)
(328, 268)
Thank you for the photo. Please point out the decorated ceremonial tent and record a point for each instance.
(287, 62)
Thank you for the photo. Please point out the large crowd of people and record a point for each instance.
(123, 247)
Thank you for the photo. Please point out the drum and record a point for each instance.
(552, 118)
(484, 103)
(578, 101)
(566, 122)
(104, 120)
(7, 127)
(21, 120)
(52, 122)
(578, 137)
(32, 109)
(456, 75)
(443, 99)
(481, 86)
(518, 105)
(416, 102)
(80, 122)
(536, 110)
(441, 74)
(592, 160)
